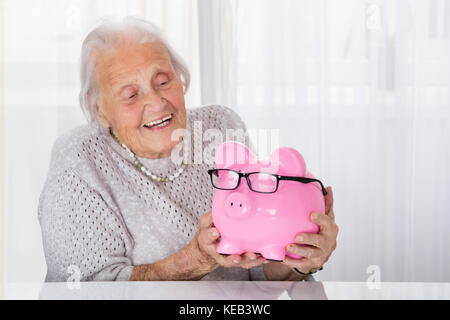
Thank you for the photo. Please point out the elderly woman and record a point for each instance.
(118, 204)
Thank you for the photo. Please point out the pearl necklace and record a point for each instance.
(140, 166)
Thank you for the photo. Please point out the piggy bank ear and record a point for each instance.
(232, 153)
(288, 161)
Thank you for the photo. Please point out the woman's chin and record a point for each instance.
(161, 141)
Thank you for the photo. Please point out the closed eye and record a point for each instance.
(162, 79)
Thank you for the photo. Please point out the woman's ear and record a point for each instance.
(101, 117)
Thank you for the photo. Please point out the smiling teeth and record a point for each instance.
(158, 123)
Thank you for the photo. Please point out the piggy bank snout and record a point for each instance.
(238, 205)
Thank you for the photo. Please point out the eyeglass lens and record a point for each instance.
(262, 182)
(224, 179)
(259, 182)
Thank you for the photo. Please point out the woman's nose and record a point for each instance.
(154, 102)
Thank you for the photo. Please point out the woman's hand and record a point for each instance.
(315, 248)
(206, 240)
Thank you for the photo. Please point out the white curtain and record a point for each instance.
(360, 88)
(40, 69)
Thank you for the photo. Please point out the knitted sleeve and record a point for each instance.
(82, 236)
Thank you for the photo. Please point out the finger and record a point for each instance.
(233, 260)
(251, 260)
(304, 265)
(225, 260)
(305, 251)
(241, 261)
(330, 213)
(257, 262)
(206, 220)
(312, 239)
(324, 221)
(208, 236)
(208, 241)
(329, 201)
(249, 256)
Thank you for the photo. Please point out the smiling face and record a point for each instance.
(138, 86)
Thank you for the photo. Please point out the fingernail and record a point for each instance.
(235, 261)
(266, 262)
(300, 239)
(252, 258)
(314, 215)
(215, 234)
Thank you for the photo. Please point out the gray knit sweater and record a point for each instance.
(102, 216)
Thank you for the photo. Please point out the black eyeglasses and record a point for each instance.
(261, 182)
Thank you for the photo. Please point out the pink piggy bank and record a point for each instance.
(261, 205)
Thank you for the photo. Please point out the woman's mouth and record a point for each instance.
(159, 124)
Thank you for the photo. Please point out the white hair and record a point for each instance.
(107, 35)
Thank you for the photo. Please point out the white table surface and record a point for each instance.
(225, 290)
